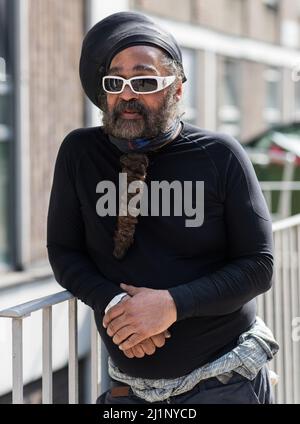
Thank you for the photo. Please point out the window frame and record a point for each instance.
(273, 115)
(229, 116)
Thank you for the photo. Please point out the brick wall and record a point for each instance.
(56, 99)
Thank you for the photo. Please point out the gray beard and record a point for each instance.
(151, 124)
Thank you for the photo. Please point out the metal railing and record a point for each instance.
(285, 190)
(20, 312)
(281, 305)
(278, 307)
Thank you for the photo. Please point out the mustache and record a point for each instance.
(130, 106)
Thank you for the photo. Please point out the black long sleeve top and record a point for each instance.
(213, 271)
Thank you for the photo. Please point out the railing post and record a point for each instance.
(17, 359)
(278, 306)
(296, 343)
(94, 360)
(294, 309)
(285, 196)
(47, 355)
(104, 376)
(287, 319)
(268, 197)
(73, 352)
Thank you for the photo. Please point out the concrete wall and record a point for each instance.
(253, 98)
(262, 23)
(171, 9)
(248, 18)
(220, 15)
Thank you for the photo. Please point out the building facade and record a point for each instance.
(240, 55)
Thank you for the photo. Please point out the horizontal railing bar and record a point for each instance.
(25, 309)
(286, 223)
(280, 185)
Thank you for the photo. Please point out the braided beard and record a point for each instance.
(135, 165)
(153, 123)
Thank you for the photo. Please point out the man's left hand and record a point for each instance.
(147, 313)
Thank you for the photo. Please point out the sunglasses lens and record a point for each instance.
(144, 85)
(113, 84)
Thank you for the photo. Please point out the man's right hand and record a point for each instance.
(147, 346)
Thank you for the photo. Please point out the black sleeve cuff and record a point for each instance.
(184, 300)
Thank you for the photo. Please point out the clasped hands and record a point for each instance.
(138, 324)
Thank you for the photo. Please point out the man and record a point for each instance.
(173, 297)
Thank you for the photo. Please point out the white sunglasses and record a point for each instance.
(139, 85)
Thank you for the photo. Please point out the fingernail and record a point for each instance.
(120, 347)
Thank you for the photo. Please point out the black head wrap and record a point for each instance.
(113, 34)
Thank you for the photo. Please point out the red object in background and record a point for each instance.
(277, 155)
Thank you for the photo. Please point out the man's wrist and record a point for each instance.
(172, 305)
(115, 300)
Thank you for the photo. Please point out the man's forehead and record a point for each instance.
(142, 67)
(137, 58)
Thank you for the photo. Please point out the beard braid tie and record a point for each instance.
(135, 166)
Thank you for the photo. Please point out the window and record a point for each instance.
(272, 110)
(229, 101)
(190, 87)
(5, 129)
(271, 4)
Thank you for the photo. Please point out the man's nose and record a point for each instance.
(128, 94)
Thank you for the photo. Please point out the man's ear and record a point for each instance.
(179, 91)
